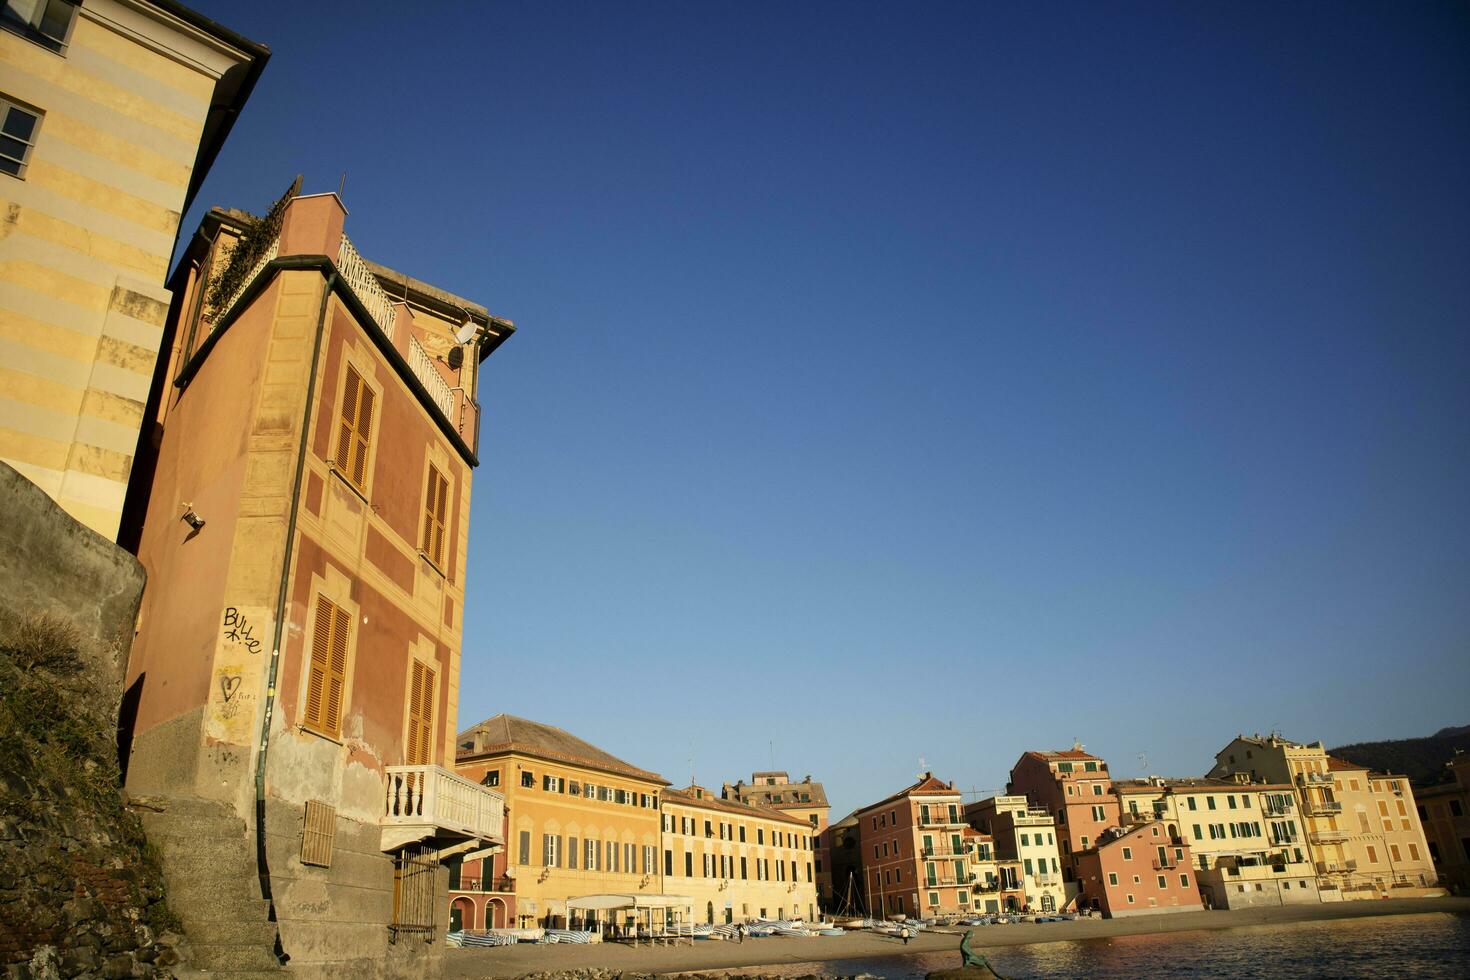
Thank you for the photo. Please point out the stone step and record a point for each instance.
(221, 956)
(233, 932)
(203, 907)
(234, 860)
(172, 829)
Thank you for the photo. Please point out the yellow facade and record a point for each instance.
(1351, 818)
(736, 862)
(123, 108)
(580, 822)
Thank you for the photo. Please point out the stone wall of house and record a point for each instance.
(80, 893)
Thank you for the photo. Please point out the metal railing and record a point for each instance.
(504, 883)
(948, 882)
(432, 796)
(433, 381)
(365, 286)
(941, 820)
(1165, 863)
(1329, 836)
(1322, 807)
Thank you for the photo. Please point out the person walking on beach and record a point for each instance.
(740, 932)
(904, 935)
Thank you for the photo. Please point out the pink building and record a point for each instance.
(1137, 872)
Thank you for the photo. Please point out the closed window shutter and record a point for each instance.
(364, 428)
(347, 421)
(442, 518)
(420, 713)
(326, 680)
(321, 643)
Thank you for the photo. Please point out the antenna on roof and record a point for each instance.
(1143, 761)
(923, 767)
(772, 746)
(342, 184)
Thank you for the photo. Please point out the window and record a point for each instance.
(46, 22)
(18, 127)
(1413, 852)
(1184, 881)
(593, 851)
(550, 850)
(1191, 802)
(1097, 789)
(1112, 877)
(528, 779)
(355, 428)
(1210, 802)
(327, 674)
(572, 853)
(1393, 849)
(668, 864)
(492, 778)
(436, 515)
(1372, 855)
(1127, 854)
(525, 848)
(689, 864)
(1130, 899)
(421, 688)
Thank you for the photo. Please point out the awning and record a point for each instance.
(604, 902)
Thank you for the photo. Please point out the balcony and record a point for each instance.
(1313, 779)
(941, 820)
(431, 803)
(1165, 863)
(1047, 878)
(1336, 867)
(1278, 809)
(503, 884)
(949, 882)
(1329, 836)
(1321, 808)
(943, 851)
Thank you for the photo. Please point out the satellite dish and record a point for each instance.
(456, 357)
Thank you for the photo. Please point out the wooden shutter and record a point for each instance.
(436, 515)
(326, 681)
(355, 427)
(420, 713)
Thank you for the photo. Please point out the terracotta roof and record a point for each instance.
(1206, 784)
(928, 786)
(1342, 765)
(507, 733)
(753, 792)
(686, 797)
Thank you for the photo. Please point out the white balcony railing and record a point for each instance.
(432, 380)
(430, 801)
(365, 286)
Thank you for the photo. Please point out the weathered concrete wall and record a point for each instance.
(52, 565)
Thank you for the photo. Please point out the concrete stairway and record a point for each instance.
(213, 887)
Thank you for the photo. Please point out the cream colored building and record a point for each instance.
(1245, 838)
(805, 800)
(1028, 835)
(580, 820)
(1361, 828)
(737, 862)
(113, 111)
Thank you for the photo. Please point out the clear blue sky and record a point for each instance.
(929, 380)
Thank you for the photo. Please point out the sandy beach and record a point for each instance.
(514, 961)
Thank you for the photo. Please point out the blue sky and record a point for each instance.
(929, 380)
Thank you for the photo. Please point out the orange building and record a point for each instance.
(912, 853)
(1075, 787)
(1137, 872)
(303, 519)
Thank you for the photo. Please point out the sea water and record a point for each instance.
(1430, 945)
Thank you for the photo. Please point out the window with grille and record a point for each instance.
(318, 831)
(327, 672)
(355, 428)
(436, 515)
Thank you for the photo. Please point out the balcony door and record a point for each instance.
(419, 737)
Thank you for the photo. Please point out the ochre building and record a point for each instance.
(580, 822)
(806, 800)
(737, 862)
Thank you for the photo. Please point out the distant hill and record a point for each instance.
(1421, 759)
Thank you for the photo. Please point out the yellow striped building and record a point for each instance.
(111, 112)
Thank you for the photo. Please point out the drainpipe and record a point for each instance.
(262, 861)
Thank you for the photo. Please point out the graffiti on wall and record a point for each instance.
(239, 629)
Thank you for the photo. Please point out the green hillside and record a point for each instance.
(1421, 759)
